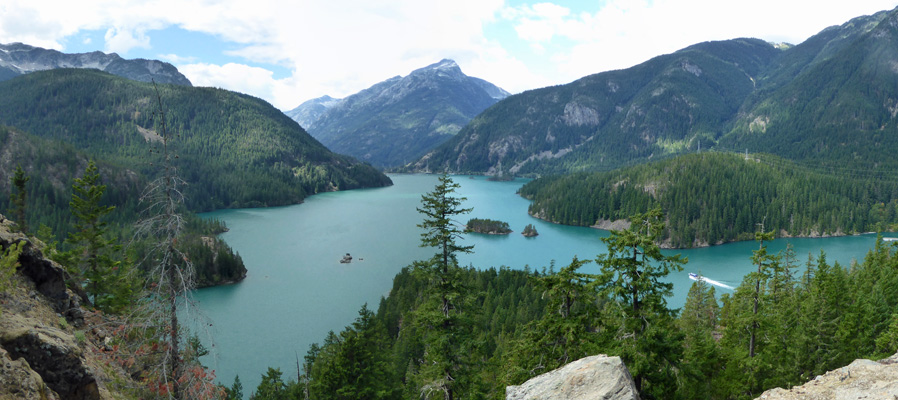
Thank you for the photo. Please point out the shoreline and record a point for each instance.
(620, 224)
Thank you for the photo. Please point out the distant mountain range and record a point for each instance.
(17, 59)
(400, 119)
(309, 112)
(831, 100)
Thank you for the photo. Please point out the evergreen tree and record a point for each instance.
(765, 263)
(637, 321)
(107, 283)
(235, 392)
(9, 261)
(439, 316)
(701, 354)
(354, 364)
(567, 330)
(822, 310)
(19, 197)
(750, 330)
(272, 386)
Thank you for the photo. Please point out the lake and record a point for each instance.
(297, 290)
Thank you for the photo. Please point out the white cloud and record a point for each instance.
(339, 47)
(623, 33)
(123, 40)
(176, 59)
(242, 78)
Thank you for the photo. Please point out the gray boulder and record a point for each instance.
(594, 377)
(862, 379)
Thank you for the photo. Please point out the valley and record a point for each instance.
(713, 216)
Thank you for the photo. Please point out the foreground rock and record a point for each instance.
(48, 277)
(594, 377)
(862, 379)
(46, 350)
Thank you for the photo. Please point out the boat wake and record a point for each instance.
(697, 277)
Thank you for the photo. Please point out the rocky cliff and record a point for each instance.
(594, 377)
(17, 59)
(862, 379)
(46, 350)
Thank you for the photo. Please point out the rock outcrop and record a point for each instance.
(52, 353)
(45, 350)
(862, 379)
(594, 377)
(48, 277)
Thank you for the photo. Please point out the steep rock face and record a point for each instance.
(18, 58)
(52, 353)
(398, 120)
(862, 379)
(48, 277)
(594, 377)
(41, 357)
(18, 380)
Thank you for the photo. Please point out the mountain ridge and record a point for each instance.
(710, 93)
(396, 120)
(19, 58)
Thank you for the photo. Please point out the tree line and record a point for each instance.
(449, 332)
(713, 198)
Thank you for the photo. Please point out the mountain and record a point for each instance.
(398, 120)
(830, 99)
(233, 150)
(309, 112)
(18, 58)
(840, 110)
(662, 106)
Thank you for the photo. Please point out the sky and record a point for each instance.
(290, 51)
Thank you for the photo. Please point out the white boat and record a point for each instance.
(697, 277)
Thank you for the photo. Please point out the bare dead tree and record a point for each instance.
(171, 277)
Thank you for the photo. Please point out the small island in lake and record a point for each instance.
(530, 231)
(487, 226)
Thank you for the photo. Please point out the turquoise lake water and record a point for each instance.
(297, 290)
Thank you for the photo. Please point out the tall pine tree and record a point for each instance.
(19, 198)
(638, 323)
(439, 317)
(108, 285)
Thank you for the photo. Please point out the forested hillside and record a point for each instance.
(830, 100)
(234, 150)
(51, 168)
(840, 110)
(712, 198)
